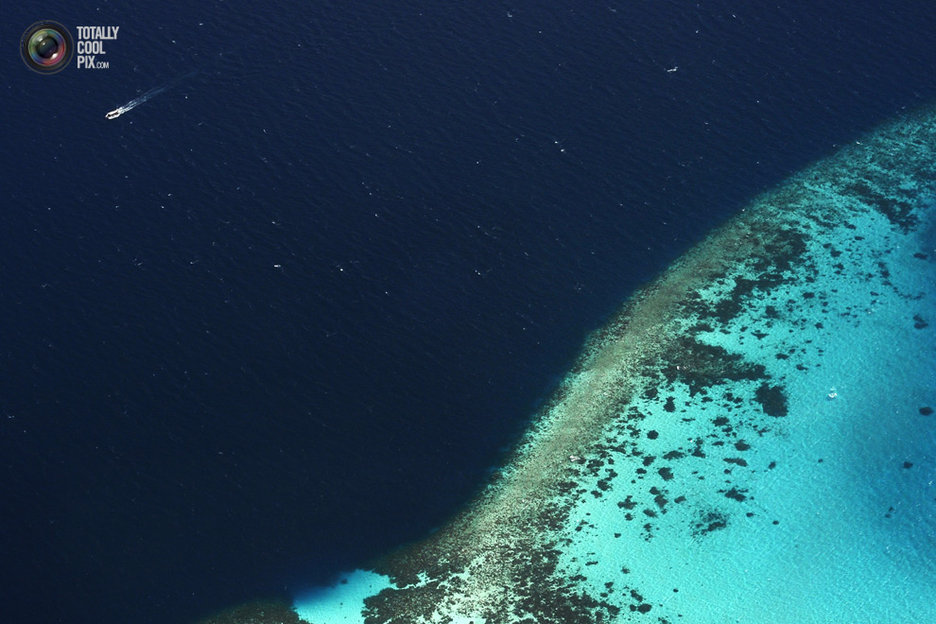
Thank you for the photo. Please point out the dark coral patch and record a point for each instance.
(772, 400)
(736, 494)
(701, 366)
(628, 503)
(708, 522)
(897, 211)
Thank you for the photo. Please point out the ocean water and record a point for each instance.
(743, 442)
(290, 313)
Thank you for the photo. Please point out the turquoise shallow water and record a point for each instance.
(284, 317)
(750, 440)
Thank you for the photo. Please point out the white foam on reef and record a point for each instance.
(692, 466)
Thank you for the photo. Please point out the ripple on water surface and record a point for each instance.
(751, 439)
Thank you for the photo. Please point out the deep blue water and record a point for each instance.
(457, 193)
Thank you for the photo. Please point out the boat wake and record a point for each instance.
(149, 95)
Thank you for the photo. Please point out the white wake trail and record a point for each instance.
(149, 95)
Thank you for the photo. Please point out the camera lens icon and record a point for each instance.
(47, 47)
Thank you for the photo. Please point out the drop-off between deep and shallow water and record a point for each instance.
(750, 439)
